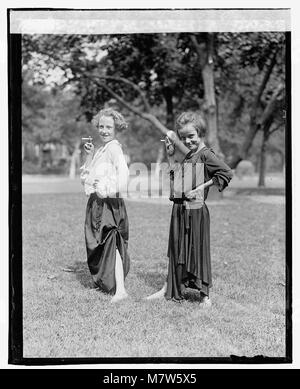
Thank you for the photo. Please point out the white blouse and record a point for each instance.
(109, 167)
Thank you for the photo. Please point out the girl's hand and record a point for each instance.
(170, 147)
(89, 148)
(193, 194)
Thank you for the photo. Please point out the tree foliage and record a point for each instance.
(250, 68)
(159, 75)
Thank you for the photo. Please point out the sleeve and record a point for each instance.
(116, 181)
(84, 172)
(217, 170)
(119, 162)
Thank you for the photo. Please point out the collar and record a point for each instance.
(104, 147)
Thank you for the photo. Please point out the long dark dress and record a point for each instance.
(189, 237)
(106, 229)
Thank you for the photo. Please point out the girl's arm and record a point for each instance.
(218, 171)
(122, 173)
(89, 149)
(199, 189)
(88, 160)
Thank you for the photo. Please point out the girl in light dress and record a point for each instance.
(104, 176)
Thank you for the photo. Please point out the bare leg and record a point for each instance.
(161, 293)
(119, 275)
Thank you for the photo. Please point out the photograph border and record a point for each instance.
(15, 228)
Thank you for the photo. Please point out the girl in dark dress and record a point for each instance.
(189, 235)
(104, 175)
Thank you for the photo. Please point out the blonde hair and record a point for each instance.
(194, 118)
(120, 123)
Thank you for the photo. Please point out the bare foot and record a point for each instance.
(158, 295)
(205, 302)
(118, 297)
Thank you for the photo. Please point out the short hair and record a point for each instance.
(191, 117)
(118, 118)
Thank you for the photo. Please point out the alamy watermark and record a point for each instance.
(142, 181)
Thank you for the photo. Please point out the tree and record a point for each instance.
(53, 116)
(164, 68)
(204, 45)
(232, 77)
(271, 122)
(90, 77)
(252, 66)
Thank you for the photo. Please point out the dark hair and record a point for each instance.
(191, 117)
(120, 123)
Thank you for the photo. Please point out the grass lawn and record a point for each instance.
(64, 316)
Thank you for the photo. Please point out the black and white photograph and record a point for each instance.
(150, 195)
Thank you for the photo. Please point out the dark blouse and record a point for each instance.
(214, 169)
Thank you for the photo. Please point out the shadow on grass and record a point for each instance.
(83, 274)
(156, 281)
(192, 295)
(152, 279)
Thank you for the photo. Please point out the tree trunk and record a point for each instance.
(246, 145)
(266, 134)
(257, 162)
(262, 167)
(254, 126)
(205, 53)
(210, 98)
(282, 159)
(168, 95)
(159, 159)
(210, 108)
(74, 161)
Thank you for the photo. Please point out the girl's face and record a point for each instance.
(106, 128)
(189, 136)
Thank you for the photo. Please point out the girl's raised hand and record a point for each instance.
(170, 147)
(89, 148)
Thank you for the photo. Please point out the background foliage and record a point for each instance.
(68, 78)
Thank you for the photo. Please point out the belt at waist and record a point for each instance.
(179, 200)
(115, 196)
